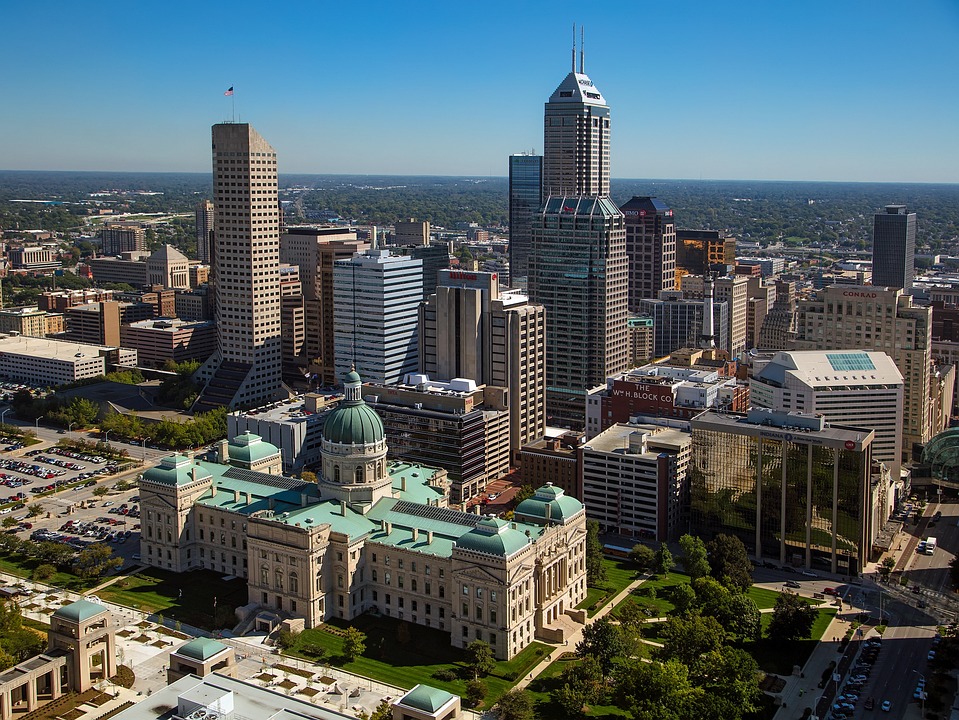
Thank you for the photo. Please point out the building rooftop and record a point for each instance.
(577, 88)
(840, 437)
(549, 503)
(201, 649)
(426, 698)
(835, 367)
(47, 348)
(79, 611)
(616, 438)
(171, 325)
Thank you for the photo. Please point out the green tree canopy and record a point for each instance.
(643, 555)
(354, 643)
(605, 642)
(515, 705)
(686, 639)
(694, 558)
(729, 563)
(664, 560)
(479, 658)
(792, 619)
(595, 569)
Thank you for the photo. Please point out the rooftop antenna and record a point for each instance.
(582, 50)
(574, 47)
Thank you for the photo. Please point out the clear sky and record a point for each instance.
(862, 90)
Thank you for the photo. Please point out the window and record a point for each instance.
(492, 615)
(294, 582)
(479, 593)
(401, 563)
(466, 610)
(413, 584)
(442, 591)
(374, 574)
(442, 612)
(466, 590)
(373, 557)
(264, 575)
(387, 577)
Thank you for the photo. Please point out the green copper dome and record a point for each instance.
(549, 504)
(353, 422)
(493, 536)
(79, 611)
(249, 448)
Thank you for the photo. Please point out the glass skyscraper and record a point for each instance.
(792, 488)
(525, 200)
(894, 248)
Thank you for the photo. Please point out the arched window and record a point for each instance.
(265, 576)
(294, 583)
(278, 580)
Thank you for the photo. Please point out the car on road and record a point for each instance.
(792, 584)
(886, 705)
(829, 591)
(931, 656)
(809, 573)
(108, 503)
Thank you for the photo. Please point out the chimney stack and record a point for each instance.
(429, 537)
(416, 534)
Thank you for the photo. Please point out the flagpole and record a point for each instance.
(233, 104)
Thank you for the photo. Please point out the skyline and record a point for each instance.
(697, 91)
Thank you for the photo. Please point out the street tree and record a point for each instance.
(886, 567)
(354, 643)
(515, 705)
(792, 619)
(479, 658)
(664, 560)
(729, 563)
(643, 555)
(9, 522)
(656, 691)
(476, 690)
(34, 509)
(595, 569)
(605, 642)
(100, 490)
(694, 559)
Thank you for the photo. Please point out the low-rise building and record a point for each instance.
(24, 320)
(556, 458)
(162, 339)
(50, 363)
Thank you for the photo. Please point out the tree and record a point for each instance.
(745, 620)
(683, 598)
(384, 711)
(308, 476)
(729, 563)
(631, 616)
(656, 691)
(286, 639)
(476, 691)
(686, 639)
(605, 642)
(515, 705)
(96, 560)
(643, 555)
(581, 684)
(354, 643)
(664, 560)
(100, 490)
(888, 565)
(9, 522)
(34, 509)
(694, 559)
(792, 619)
(730, 674)
(43, 572)
(595, 568)
(479, 658)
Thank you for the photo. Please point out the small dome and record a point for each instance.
(201, 649)
(79, 611)
(249, 448)
(549, 504)
(353, 422)
(493, 536)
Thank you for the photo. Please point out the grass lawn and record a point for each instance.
(619, 574)
(779, 656)
(549, 680)
(23, 566)
(187, 597)
(659, 586)
(425, 652)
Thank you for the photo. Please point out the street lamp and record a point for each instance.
(144, 448)
(70, 425)
(106, 436)
(38, 422)
(3, 413)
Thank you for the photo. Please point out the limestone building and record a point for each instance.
(370, 535)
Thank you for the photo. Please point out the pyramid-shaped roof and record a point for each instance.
(577, 88)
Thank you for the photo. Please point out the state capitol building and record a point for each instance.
(369, 535)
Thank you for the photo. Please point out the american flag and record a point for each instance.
(229, 92)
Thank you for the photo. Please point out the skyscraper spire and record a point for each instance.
(582, 50)
(573, 68)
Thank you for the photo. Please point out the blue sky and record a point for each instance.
(780, 89)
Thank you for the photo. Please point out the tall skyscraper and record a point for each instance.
(376, 299)
(894, 248)
(204, 229)
(468, 329)
(245, 370)
(525, 199)
(577, 271)
(576, 125)
(650, 248)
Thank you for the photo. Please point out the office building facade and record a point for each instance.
(650, 248)
(894, 247)
(119, 238)
(246, 369)
(678, 322)
(203, 218)
(525, 199)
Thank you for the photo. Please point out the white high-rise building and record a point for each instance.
(246, 369)
(848, 387)
(376, 298)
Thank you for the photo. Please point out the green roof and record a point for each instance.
(351, 377)
(353, 423)
(201, 649)
(79, 611)
(175, 470)
(426, 698)
(550, 504)
(493, 536)
(249, 448)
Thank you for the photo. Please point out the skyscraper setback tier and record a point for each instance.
(576, 132)
(245, 371)
(577, 271)
(525, 199)
(894, 247)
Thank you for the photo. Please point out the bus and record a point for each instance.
(930, 546)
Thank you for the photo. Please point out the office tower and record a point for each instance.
(376, 298)
(435, 257)
(525, 198)
(697, 250)
(847, 387)
(761, 298)
(845, 317)
(779, 326)
(576, 125)
(894, 247)
(734, 291)
(411, 232)
(204, 230)
(118, 238)
(640, 332)
(246, 369)
(678, 322)
(315, 250)
(469, 329)
(650, 248)
(800, 497)
(292, 322)
(577, 271)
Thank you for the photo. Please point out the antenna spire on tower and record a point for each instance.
(582, 50)
(574, 47)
